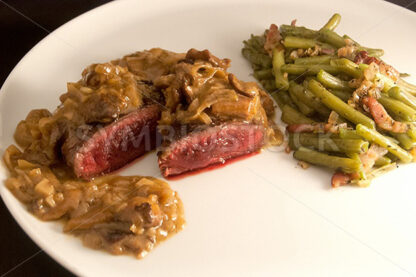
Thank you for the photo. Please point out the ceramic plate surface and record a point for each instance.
(262, 216)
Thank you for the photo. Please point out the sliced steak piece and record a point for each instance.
(113, 146)
(210, 146)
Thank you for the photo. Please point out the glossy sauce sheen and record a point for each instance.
(119, 214)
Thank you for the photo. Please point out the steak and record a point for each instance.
(98, 151)
(212, 145)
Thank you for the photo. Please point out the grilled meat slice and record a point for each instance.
(113, 146)
(212, 145)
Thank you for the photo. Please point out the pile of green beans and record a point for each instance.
(310, 88)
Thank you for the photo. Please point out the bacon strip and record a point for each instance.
(363, 57)
(382, 118)
(273, 38)
(340, 179)
(386, 69)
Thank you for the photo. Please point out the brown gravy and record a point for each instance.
(120, 214)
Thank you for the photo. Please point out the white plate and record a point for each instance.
(262, 216)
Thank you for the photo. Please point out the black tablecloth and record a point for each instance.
(22, 24)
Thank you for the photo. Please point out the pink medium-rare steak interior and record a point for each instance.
(118, 143)
(210, 146)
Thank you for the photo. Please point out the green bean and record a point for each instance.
(382, 161)
(410, 88)
(278, 60)
(332, 22)
(249, 48)
(346, 66)
(257, 42)
(304, 43)
(392, 157)
(280, 102)
(348, 134)
(308, 69)
(376, 137)
(350, 38)
(363, 66)
(314, 157)
(412, 132)
(404, 140)
(308, 98)
(327, 144)
(249, 44)
(397, 108)
(332, 82)
(336, 104)
(257, 58)
(332, 38)
(254, 45)
(324, 59)
(282, 98)
(388, 83)
(297, 31)
(392, 139)
(292, 116)
(361, 172)
(256, 66)
(343, 95)
(298, 42)
(372, 52)
(303, 108)
(406, 84)
(263, 74)
(268, 85)
(403, 96)
(327, 46)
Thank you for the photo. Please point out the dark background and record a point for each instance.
(20, 30)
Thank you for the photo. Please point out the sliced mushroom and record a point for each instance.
(242, 88)
(205, 55)
(151, 214)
